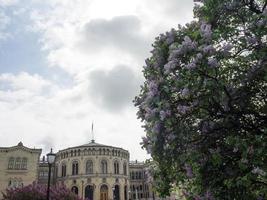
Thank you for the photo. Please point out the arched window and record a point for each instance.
(116, 167)
(116, 192)
(89, 192)
(89, 167)
(17, 163)
(104, 192)
(75, 168)
(24, 163)
(11, 163)
(75, 190)
(63, 170)
(104, 167)
(124, 169)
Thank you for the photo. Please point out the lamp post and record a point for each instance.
(129, 194)
(50, 160)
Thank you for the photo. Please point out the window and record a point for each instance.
(11, 163)
(139, 175)
(75, 190)
(116, 167)
(24, 163)
(104, 167)
(124, 169)
(75, 168)
(136, 175)
(63, 170)
(89, 167)
(17, 163)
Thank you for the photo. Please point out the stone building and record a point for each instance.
(92, 170)
(139, 187)
(18, 166)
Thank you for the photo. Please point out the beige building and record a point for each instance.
(18, 166)
(92, 170)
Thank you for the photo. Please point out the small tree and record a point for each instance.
(38, 192)
(203, 103)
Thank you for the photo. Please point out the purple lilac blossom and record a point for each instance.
(170, 36)
(189, 171)
(153, 87)
(191, 65)
(188, 43)
(251, 40)
(209, 49)
(162, 115)
(212, 62)
(170, 65)
(205, 30)
(185, 92)
(183, 109)
(156, 128)
(171, 137)
(199, 56)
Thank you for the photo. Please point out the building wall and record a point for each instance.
(17, 174)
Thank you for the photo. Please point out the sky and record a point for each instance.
(67, 63)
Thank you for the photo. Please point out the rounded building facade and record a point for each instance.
(94, 171)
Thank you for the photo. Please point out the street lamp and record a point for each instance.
(129, 194)
(50, 160)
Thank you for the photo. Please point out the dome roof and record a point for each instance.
(93, 144)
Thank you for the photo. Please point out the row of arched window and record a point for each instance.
(89, 192)
(17, 163)
(93, 151)
(89, 168)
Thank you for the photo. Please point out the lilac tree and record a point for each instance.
(38, 192)
(203, 103)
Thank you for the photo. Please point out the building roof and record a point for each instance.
(21, 146)
(93, 144)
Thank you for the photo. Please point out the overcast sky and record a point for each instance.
(66, 63)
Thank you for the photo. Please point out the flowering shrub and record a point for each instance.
(38, 192)
(203, 103)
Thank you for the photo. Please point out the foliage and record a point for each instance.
(203, 103)
(38, 192)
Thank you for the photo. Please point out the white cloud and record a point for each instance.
(8, 2)
(24, 81)
(115, 89)
(4, 21)
(102, 45)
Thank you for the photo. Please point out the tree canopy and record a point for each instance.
(203, 103)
